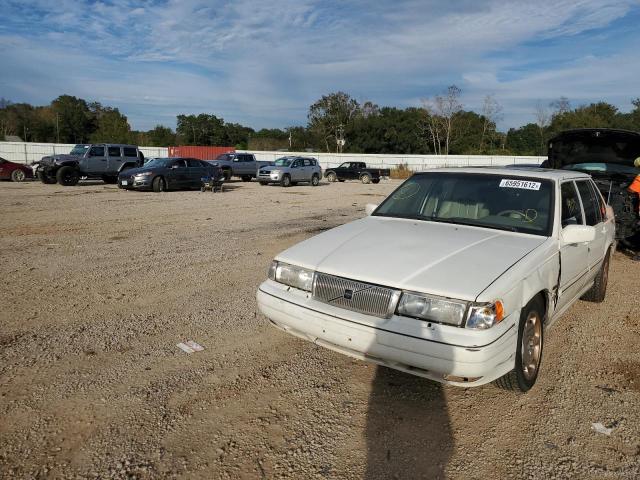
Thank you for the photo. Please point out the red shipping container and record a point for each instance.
(202, 153)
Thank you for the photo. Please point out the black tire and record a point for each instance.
(365, 178)
(331, 177)
(264, 183)
(523, 376)
(18, 175)
(599, 289)
(375, 181)
(67, 176)
(159, 185)
(227, 175)
(285, 181)
(246, 178)
(315, 180)
(46, 179)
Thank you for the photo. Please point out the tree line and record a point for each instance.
(335, 122)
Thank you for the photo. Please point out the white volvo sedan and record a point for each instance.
(455, 277)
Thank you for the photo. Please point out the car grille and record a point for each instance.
(264, 173)
(356, 296)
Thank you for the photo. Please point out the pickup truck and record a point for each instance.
(243, 165)
(355, 171)
(105, 161)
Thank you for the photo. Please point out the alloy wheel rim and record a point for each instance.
(531, 345)
(19, 175)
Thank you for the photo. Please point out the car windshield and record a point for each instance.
(158, 162)
(283, 162)
(603, 168)
(225, 156)
(79, 150)
(502, 202)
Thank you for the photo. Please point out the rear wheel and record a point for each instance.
(375, 180)
(286, 181)
(599, 290)
(159, 185)
(332, 177)
(529, 349)
(246, 178)
(18, 176)
(365, 178)
(315, 180)
(67, 176)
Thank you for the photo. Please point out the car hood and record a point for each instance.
(455, 261)
(134, 171)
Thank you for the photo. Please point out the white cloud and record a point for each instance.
(263, 63)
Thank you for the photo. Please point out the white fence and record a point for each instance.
(413, 162)
(28, 153)
(25, 152)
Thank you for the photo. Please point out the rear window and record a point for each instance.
(130, 152)
(114, 151)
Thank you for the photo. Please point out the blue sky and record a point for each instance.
(263, 63)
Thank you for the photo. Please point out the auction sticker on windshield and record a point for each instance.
(527, 185)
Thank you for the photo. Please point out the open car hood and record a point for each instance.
(595, 145)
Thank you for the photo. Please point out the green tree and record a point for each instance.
(75, 120)
(201, 129)
(112, 126)
(160, 136)
(524, 140)
(329, 116)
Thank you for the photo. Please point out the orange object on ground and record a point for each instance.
(635, 185)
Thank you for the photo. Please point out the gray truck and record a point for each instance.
(243, 165)
(104, 161)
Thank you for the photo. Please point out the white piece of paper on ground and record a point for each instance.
(190, 346)
(600, 428)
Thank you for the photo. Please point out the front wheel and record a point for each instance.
(315, 180)
(599, 290)
(67, 176)
(332, 177)
(159, 185)
(286, 181)
(365, 178)
(18, 176)
(46, 179)
(246, 178)
(528, 350)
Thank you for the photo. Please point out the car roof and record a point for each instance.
(533, 172)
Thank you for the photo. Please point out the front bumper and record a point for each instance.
(135, 182)
(442, 353)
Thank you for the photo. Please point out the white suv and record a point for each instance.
(454, 277)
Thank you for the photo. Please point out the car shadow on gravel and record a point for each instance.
(408, 432)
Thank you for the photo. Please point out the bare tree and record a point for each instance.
(492, 114)
(441, 112)
(542, 120)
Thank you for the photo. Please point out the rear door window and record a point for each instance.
(114, 151)
(589, 203)
(571, 211)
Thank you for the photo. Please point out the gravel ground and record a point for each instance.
(98, 286)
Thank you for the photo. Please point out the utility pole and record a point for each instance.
(290, 142)
(57, 127)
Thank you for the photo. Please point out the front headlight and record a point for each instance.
(144, 174)
(485, 316)
(275, 172)
(291, 275)
(432, 308)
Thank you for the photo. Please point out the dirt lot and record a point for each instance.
(98, 286)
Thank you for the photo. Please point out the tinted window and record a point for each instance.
(193, 163)
(571, 212)
(589, 203)
(297, 163)
(114, 151)
(96, 152)
(181, 163)
(130, 152)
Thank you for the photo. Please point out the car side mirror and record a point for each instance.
(370, 208)
(572, 234)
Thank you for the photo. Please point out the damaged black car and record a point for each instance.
(612, 158)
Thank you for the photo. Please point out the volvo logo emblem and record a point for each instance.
(348, 294)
